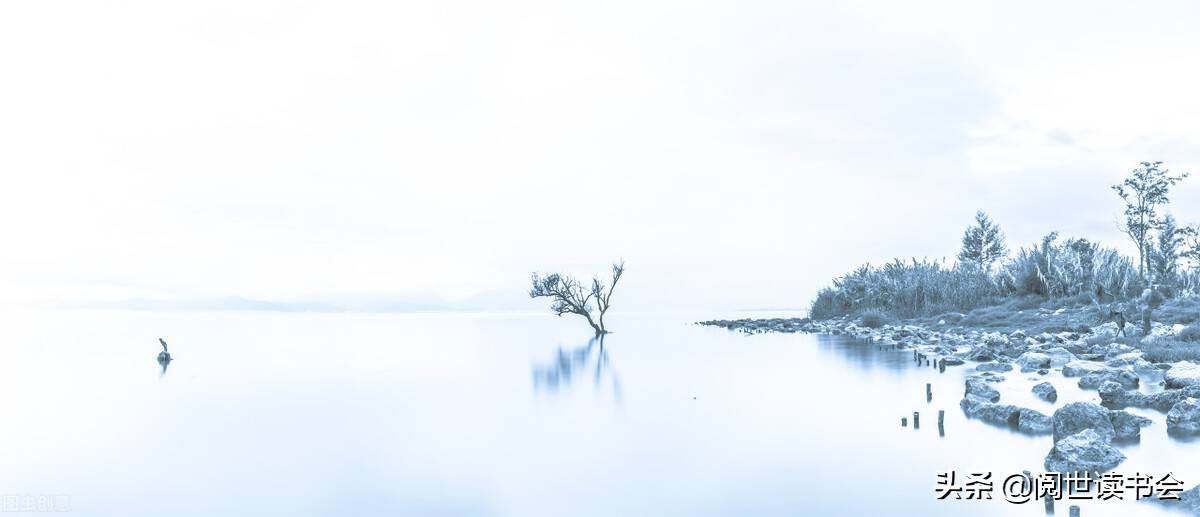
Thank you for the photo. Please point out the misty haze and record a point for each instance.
(468, 258)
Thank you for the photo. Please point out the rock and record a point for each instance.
(1078, 416)
(1081, 368)
(1007, 415)
(1125, 378)
(1033, 361)
(977, 386)
(1126, 359)
(951, 361)
(980, 353)
(1033, 422)
(1017, 334)
(1046, 391)
(1127, 426)
(1165, 400)
(1191, 500)
(1113, 350)
(1109, 330)
(992, 377)
(999, 414)
(1162, 330)
(1184, 417)
(994, 367)
(1043, 371)
(1113, 394)
(1059, 356)
(1085, 451)
(1182, 374)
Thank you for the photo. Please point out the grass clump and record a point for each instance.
(873, 318)
(1169, 351)
(1184, 310)
(1189, 334)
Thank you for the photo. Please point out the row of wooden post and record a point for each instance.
(917, 419)
(921, 359)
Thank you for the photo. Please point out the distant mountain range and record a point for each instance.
(500, 301)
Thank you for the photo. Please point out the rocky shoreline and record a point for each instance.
(1083, 433)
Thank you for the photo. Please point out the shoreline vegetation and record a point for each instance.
(1067, 305)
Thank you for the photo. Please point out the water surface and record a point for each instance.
(497, 415)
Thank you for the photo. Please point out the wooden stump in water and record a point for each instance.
(1074, 511)
(928, 392)
(916, 420)
(903, 422)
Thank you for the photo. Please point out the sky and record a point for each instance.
(735, 154)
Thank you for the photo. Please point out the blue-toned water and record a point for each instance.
(495, 415)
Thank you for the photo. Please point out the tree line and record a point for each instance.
(985, 272)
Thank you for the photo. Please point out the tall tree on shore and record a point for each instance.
(569, 296)
(982, 243)
(1143, 191)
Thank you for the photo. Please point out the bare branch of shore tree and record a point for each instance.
(569, 296)
(1143, 191)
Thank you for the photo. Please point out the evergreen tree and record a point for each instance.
(982, 243)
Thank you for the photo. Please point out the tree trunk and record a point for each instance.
(1146, 320)
(598, 328)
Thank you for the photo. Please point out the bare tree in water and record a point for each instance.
(570, 296)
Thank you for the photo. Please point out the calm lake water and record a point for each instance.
(497, 415)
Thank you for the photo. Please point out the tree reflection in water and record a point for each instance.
(569, 365)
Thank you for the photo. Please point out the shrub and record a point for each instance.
(1053, 273)
(905, 289)
(1075, 268)
(1190, 334)
(1169, 351)
(1184, 310)
(873, 318)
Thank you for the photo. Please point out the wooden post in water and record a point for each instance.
(941, 417)
(903, 422)
(916, 420)
(1074, 511)
(942, 366)
(928, 392)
